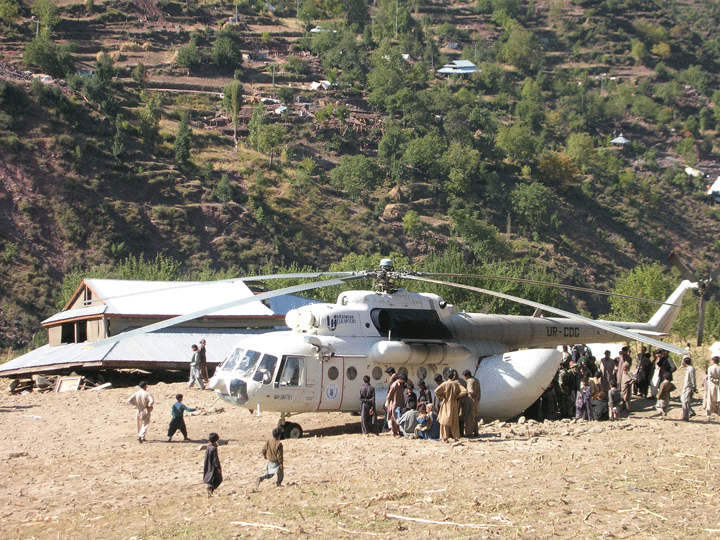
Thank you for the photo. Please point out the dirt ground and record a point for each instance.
(71, 468)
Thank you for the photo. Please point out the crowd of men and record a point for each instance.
(586, 388)
(448, 413)
(583, 388)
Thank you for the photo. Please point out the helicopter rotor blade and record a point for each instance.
(547, 283)
(183, 285)
(598, 324)
(227, 305)
(680, 265)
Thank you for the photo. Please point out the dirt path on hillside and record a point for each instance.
(71, 468)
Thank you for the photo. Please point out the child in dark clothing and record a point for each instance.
(212, 471)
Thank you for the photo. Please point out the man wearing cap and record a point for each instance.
(195, 369)
(471, 417)
(451, 392)
(144, 403)
(395, 401)
(688, 389)
(607, 366)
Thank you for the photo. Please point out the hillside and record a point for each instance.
(127, 148)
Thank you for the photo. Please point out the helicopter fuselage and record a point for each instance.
(319, 364)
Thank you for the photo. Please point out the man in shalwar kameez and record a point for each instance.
(712, 388)
(395, 401)
(144, 402)
(450, 392)
(473, 390)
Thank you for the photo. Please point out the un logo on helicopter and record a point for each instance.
(331, 392)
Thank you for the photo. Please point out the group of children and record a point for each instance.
(212, 470)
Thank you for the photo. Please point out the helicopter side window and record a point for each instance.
(266, 369)
(292, 372)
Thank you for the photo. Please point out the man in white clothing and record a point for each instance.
(688, 389)
(144, 403)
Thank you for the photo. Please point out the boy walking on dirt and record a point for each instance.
(273, 452)
(178, 422)
(212, 471)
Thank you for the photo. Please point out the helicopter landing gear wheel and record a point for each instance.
(292, 430)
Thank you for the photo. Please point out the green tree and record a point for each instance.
(118, 147)
(639, 51)
(42, 52)
(463, 165)
(233, 100)
(140, 75)
(225, 53)
(522, 50)
(150, 119)
(580, 147)
(47, 12)
(105, 67)
(481, 237)
(8, 11)
(357, 175)
(644, 281)
(518, 143)
(286, 94)
(255, 125)
(225, 191)
(183, 140)
(531, 203)
(188, 56)
(412, 224)
(270, 138)
(424, 156)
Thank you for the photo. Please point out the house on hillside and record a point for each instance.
(461, 67)
(103, 308)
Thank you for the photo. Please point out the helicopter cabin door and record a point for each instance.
(332, 383)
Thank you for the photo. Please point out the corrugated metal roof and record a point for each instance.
(75, 313)
(167, 349)
(169, 298)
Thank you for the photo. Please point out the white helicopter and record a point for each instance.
(319, 364)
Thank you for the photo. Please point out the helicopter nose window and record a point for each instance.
(266, 369)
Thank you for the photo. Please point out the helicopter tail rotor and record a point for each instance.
(703, 285)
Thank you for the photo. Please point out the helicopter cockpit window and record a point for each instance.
(246, 362)
(292, 371)
(266, 369)
(232, 360)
